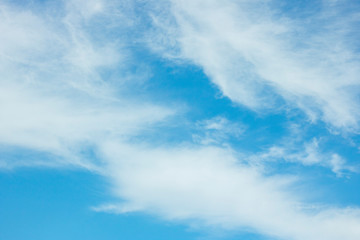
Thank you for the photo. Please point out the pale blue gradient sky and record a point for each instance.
(179, 119)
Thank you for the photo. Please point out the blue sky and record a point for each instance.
(179, 119)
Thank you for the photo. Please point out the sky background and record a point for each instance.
(179, 119)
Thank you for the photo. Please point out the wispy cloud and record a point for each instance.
(217, 130)
(305, 153)
(64, 89)
(210, 185)
(259, 56)
(53, 93)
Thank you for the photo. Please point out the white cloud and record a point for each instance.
(308, 153)
(208, 184)
(53, 96)
(217, 130)
(253, 53)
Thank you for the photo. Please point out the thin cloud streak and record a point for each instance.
(255, 55)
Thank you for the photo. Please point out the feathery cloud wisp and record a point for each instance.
(255, 54)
